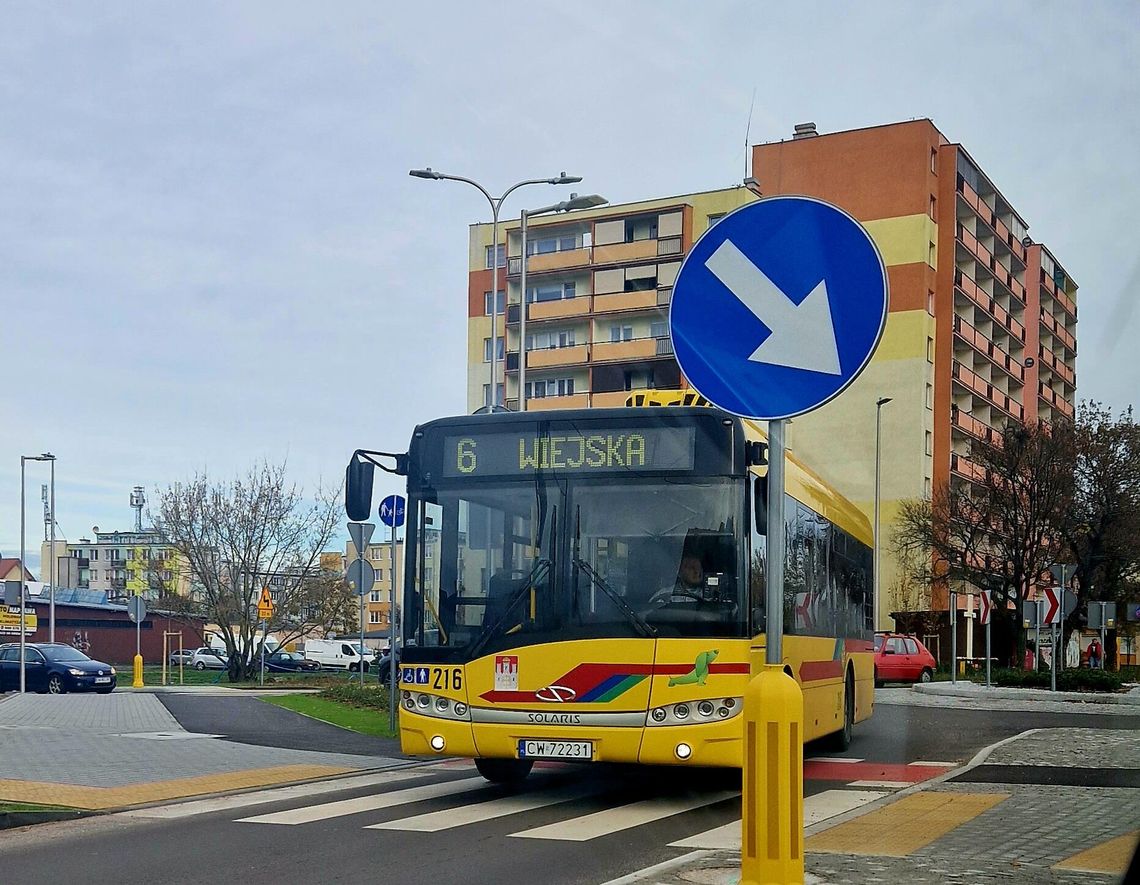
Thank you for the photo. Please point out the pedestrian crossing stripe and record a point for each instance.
(434, 821)
(623, 817)
(344, 807)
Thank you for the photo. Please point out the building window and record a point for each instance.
(930, 255)
(934, 160)
(929, 349)
(551, 291)
(644, 228)
(95, 553)
(550, 387)
(499, 397)
(374, 596)
(933, 207)
(544, 245)
(555, 338)
(502, 255)
(926, 486)
(500, 307)
(930, 301)
(715, 217)
(929, 443)
(929, 396)
(487, 349)
(621, 333)
(659, 329)
(373, 617)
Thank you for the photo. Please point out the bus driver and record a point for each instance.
(689, 586)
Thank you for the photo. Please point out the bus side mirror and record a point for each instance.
(358, 489)
(760, 505)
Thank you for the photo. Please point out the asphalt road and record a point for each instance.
(597, 833)
(249, 720)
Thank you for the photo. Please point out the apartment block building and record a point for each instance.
(121, 563)
(981, 329)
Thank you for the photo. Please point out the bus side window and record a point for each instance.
(757, 555)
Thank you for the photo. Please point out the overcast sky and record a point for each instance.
(211, 251)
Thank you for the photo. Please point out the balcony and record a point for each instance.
(625, 301)
(625, 253)
(1048, 287)
(1051, 360)
(551, 261)
(1053, 325)
(610, 400)
(998, 313)
(971, 426)
(975, 383)
(542, 403)
(633, 349)
(964, 467)
(1054, 399)
(574, 355)
(987, 348)
(553, 310)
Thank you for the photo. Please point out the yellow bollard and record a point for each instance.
(772, 845)
(138, 682)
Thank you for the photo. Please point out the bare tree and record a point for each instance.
(1002, 532)
(236, 537)
(1101, 529)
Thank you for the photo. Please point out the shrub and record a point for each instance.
(369, 697)
(1067, 680)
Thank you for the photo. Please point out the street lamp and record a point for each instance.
(45, 456)
(879, 403)
(589, 201)
(496, 204)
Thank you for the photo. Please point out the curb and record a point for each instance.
(979, 692)
(10, 820)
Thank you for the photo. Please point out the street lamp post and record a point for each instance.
(575, 202)
(882, 401)
(24, 459)
(496, 204)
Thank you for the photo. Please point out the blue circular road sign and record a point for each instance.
(392, 511)
(778, 307)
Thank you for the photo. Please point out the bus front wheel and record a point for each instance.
(504, 771)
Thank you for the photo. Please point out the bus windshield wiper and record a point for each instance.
(633, 617)
(541, 571)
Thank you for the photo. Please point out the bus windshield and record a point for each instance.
(504, 565)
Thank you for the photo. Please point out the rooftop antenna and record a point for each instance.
(47, 511)
(748, 130)
(138, 501)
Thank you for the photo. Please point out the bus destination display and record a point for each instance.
(601, 451)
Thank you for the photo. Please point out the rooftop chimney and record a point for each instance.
(804, 130)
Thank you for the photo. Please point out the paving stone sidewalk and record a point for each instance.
(1022, 833)
(114, 750)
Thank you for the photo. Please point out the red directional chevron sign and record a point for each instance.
(1051, 608)
(984, 608)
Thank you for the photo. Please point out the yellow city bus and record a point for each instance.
(588, 585)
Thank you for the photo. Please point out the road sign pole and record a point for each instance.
(1037, 638)
(953, 636)
(392, 669)
(774, 588)
(264, 631)
(1103, 636)
(361, 668)
(1053, 658)
(988, 619)
(137, 682)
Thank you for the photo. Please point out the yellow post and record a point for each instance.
(138, 680)
(772, 845)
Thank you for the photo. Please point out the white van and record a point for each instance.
(335, 654)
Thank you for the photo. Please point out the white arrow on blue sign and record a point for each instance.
(778, 307)
(392, 511)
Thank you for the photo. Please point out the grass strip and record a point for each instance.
(363, 720)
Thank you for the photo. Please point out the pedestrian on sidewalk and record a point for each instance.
(1096, 653)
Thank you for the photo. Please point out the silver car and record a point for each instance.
(183, 656)
(206, 658)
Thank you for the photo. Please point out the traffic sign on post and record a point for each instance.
(361, 534)
(361, 576)
(264, 605)
(984, 608)
(392, 511)
(136, 609)
(1052, 606)
(778, 307)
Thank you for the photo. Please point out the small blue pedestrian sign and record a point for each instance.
(421, 676)
(392, 511)
(778, 307)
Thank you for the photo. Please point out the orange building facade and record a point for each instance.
(981, 329)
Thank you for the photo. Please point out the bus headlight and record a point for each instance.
(436, 706)
(695, 712)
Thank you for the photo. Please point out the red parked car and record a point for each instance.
(900, 658)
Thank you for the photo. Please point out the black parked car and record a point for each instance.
(54, 668)
(288, 662)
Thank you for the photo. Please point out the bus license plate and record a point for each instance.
(556, 750)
